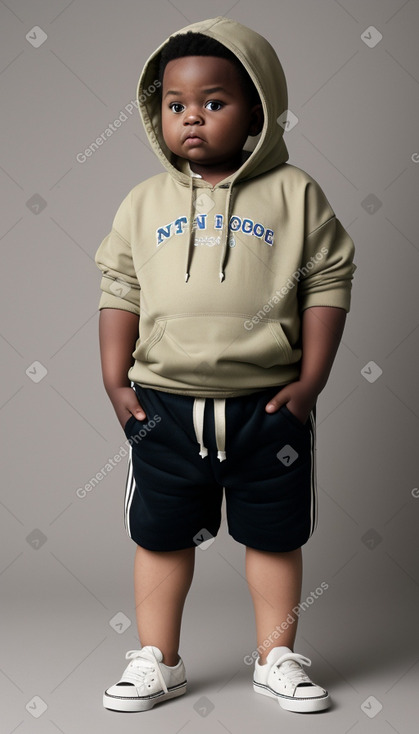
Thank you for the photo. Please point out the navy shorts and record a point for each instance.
(189, 450)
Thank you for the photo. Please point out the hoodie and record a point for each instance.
(220, 275)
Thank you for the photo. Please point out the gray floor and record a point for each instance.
(60, 651)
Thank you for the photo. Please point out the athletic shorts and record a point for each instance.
(189, 451)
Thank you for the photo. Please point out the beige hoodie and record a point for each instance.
(220, 306)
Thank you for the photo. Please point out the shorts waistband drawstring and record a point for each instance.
(219, 422)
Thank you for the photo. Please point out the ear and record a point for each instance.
(256, 120)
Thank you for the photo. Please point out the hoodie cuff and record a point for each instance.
(339, 298)
(108, 300)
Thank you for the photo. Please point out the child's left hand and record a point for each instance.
(299, 397)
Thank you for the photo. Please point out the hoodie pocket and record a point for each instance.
(204, 342)
(142, 351)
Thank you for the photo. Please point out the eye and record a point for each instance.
(176, 107)
(213, 105)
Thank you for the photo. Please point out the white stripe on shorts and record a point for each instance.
(129, 493)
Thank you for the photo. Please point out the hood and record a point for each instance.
(262, 152)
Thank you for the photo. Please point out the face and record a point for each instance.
(206, 115)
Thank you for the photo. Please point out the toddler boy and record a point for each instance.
(225, 286)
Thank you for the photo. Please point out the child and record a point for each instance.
(226, 282)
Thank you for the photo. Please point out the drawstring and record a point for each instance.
(225, 232)
(191, 235)
(220, 426)
(226, 229)
(198, 423)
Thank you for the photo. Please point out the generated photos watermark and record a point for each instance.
(112, 127)
(287, 623)
(280, 293)
(112, 462)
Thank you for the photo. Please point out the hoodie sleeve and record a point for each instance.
(119, 285)
(327, 266)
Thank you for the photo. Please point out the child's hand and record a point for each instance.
(299, 397)
(125, 403)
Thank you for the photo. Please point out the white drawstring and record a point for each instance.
(219, 422)
(198, 423)
(220, 427)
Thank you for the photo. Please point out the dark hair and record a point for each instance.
(197, 44)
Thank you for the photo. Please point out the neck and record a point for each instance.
(217, 172)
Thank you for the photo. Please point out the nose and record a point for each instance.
(192, 117)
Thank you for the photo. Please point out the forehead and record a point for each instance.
(199, 71)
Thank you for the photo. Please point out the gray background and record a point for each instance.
(66, 562)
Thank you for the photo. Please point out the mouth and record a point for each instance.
(192, 138)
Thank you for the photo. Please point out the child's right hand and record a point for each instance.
(125, 403)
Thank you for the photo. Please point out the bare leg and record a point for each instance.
(161, 583)
(275, 586)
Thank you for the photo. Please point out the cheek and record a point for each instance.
(166, 126)
(231, 121)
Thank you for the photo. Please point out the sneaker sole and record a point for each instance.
(122, 703)
(297, 705)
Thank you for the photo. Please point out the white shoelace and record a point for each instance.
(290, 664)
(143, 663)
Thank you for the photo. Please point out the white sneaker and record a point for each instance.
(284, 679)
(145, 681)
